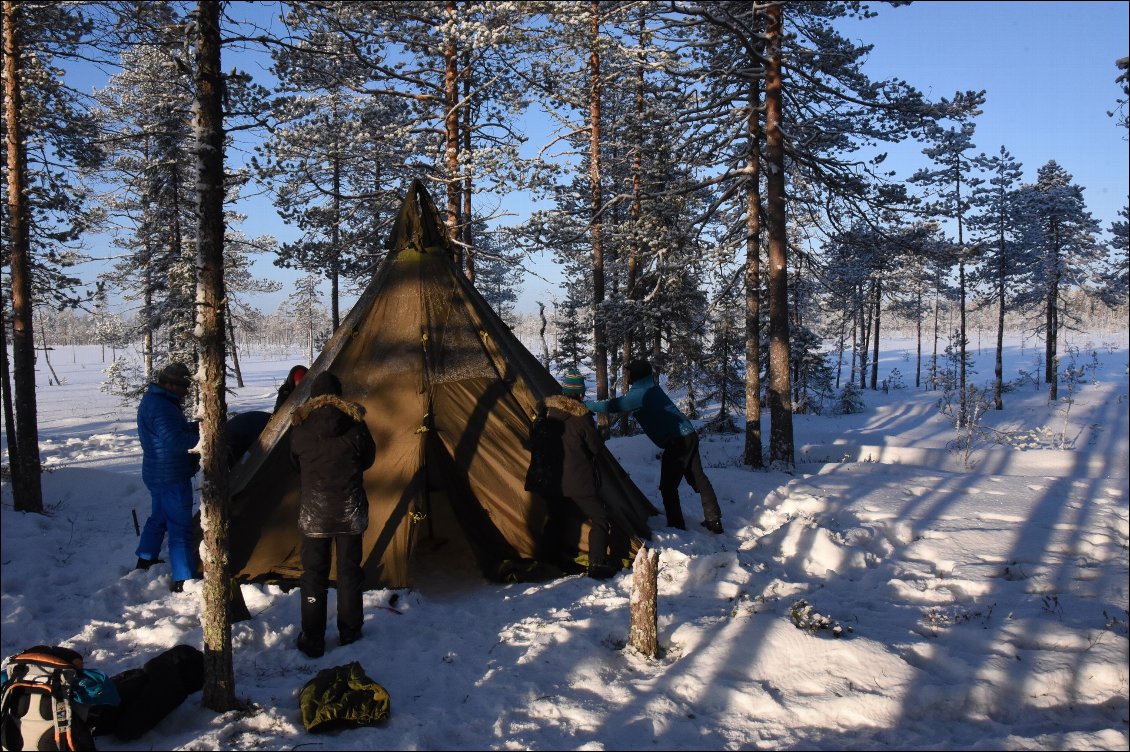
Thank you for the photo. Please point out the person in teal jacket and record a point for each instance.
(671, 431)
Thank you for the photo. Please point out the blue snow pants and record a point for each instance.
(172, 511)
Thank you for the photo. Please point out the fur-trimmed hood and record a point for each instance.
(352, 409)
(564, 404)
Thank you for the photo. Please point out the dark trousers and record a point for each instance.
(593, 508)
(681, 460)
(315, 582)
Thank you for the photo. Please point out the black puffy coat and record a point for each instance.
(331, 446)
(564, 445)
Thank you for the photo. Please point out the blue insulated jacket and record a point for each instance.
(166, 436)
(656, 413)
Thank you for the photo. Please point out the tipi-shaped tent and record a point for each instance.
(450, 395)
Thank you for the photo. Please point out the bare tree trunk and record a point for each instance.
(998, 365)
(643, 607)
(176, 241)
(963, 410)
(856, 313)
(335, 239)
(219, 676)
(1051, 342)
(28, 494)
(918, 339)
(752, 453)
(635, 212)
(780, 400)
(451, 137)
(840, 350)
(54, 379)
(878, 317)
(541, 333)
(6, 386)
(231, 339)
(600, 344)
(864, 336)
(468, 230)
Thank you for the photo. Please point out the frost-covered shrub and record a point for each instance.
(124, 379)
(850, 400)
(810, 620)
(893, 381)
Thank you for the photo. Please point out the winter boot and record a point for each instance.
(310, 647)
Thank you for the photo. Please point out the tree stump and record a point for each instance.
(643, 605)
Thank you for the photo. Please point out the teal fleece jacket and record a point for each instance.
(654, 410)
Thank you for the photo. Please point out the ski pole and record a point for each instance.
(136, 527)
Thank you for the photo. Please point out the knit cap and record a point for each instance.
(638, 369)
(573, 383)
(175, 374)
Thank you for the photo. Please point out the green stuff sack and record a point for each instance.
(342, 697)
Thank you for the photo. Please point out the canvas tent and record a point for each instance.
(450, 396)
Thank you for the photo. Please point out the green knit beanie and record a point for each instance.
(573, 383)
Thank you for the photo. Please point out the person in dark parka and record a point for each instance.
(292, 378)
(671, 431)
(331, 447)
(167, 467)
(564, 448)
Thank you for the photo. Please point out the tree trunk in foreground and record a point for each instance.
(780, 399)
(27, 491)
(643, 633)
(219, 675)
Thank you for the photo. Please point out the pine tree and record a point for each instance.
(449, 91)
(306, 307)
(952, 183)
(723, 359)
(148, 107)
(336, 157)
(569, 354)
(46, 131)
(1063, 252)
(996, 225)
(1117, 275)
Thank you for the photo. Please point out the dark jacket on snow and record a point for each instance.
(331, 446)
(657, 415)
(564, 445)
(166, 436)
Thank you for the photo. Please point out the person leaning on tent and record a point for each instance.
(564, 445)
(292, 378)
(673, 432)
(167, 468)
(331, 446)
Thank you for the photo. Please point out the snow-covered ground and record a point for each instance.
(981, 596)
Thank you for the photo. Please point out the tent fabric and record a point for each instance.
(450, 395)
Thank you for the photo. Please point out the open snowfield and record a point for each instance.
(982, 596)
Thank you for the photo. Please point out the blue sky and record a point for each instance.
(1048, 69)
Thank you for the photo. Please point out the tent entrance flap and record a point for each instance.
(455, 519)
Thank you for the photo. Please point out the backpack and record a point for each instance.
(38, 709)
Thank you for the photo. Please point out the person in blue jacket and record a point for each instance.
(167, 468)
(671, 431)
